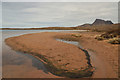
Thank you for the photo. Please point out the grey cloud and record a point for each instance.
(30, 14)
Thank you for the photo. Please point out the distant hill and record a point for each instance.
(97, 22)
(101, 22)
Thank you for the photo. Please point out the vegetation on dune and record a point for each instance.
(76, 35)
(106, 36)
(114, 41)
(99, 38)
(109, 32)
(72, 37)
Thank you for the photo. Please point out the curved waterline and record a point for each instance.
(93, 59)
(80, 47)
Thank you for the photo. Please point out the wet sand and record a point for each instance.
(63, 56)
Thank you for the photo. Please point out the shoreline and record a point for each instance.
(85, 72)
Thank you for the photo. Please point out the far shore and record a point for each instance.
(68, 60)
(46, 28)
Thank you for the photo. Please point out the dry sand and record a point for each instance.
(62, 58)
(108, 53)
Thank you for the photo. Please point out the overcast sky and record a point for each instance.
(43, 14)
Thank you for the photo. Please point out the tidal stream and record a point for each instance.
(95, 61)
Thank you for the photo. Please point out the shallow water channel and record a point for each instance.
(95, 61)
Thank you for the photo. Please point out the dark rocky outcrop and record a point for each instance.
(97, 22)
(101, 22)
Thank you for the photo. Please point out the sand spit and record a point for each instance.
(60, 58)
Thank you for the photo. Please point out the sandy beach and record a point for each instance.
(61, 58)
(66, 59)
